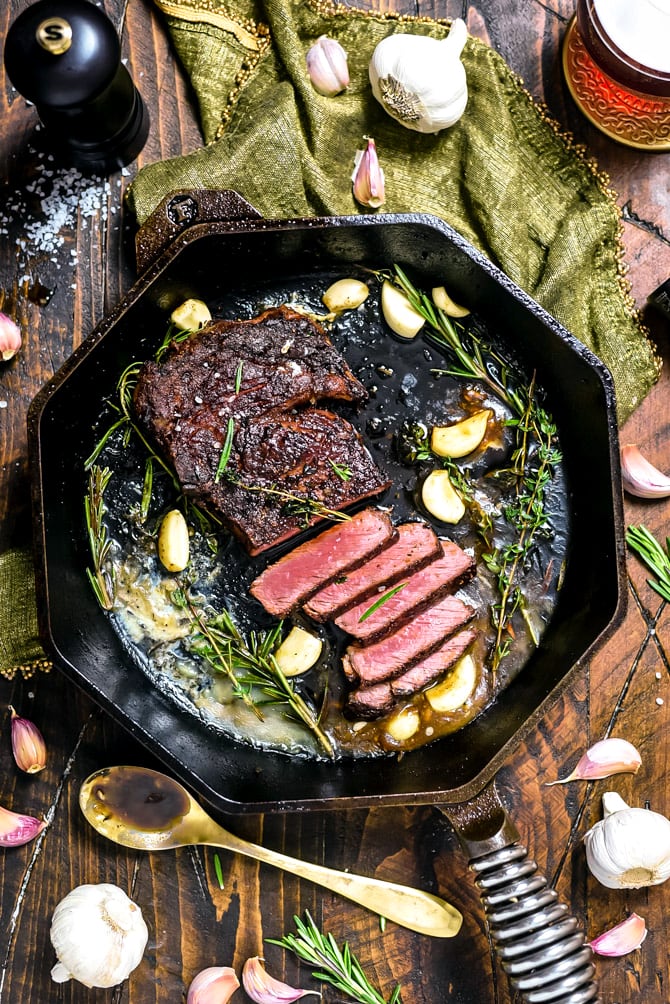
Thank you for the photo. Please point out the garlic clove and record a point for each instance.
(443, 301)
(28, 746)
(214, 985)
(441, 498)
(191, 315)
(399, 313)
(173, 542)
(604, 758)
(640, 478)
(404, 724)
(265, 989)
(16, 829)
(327, 66)
(345, 294)
(99, 936)
(461, 438)
(623, 938)
(629, 848)
(10, 338)
(452, 692)
(368, 177)
(298, 652)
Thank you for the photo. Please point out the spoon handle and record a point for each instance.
(412, 908)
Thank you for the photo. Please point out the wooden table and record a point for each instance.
(625, 691)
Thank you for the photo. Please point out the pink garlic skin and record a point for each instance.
(16, 829)
(265, 989)
(214, 985)
(327, 67)
(640, 478)
(28, 746)
(10, 338)
(368, 177)
(623, 938)
(604, 758)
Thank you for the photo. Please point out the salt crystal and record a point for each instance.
(3, 404)
(659, 700)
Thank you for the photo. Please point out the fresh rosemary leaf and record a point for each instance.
(341, 470)
(218, 870)
(384, 598)
(338, 967)
(238, 376)
(226, 451)
(657, 559)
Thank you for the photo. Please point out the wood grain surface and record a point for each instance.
(625, 691)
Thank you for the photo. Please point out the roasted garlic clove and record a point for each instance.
(298, 652)
(399, 313)
(462, 438)
(191, 315)
(441, 498)
(453, 691)
(173, 542)
(345, 294)
(443, 301)
(404, 724)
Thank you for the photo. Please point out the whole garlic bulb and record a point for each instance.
(99, 936)
(420, 81)
(628, 848)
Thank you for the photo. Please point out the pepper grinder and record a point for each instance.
(65, 57)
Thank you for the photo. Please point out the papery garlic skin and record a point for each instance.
(28, 746)
(10, 338)
(628, 848)
(368, 178)
(214, 985)
(640, 478)
(420, 81)
(17, 829)
(265, 989)
(99, 936)
(623, 938)
(327, 66)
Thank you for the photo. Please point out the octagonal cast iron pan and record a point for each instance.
(195, 243)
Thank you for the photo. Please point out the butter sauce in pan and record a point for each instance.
(406, 397)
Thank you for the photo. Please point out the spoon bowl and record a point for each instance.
(149, 811)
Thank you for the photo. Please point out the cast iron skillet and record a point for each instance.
(195, 242)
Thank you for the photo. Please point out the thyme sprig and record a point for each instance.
(337, 966)
(294, 505)
(100, 576)
(654, 556)
(248, 662)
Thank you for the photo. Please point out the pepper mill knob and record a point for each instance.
(65, 57)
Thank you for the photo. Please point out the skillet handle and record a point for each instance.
(182, 209)
(540, 946)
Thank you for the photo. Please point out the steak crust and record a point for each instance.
(260, 378)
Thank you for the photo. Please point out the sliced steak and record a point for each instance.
(417, 544)
(446, 574)
(378, 699)
(397, 652)
(288, 582)
(249, 377)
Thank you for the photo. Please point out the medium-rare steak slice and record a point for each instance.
(237, 384)
(376, 700)
(417, 544)
(397, 652)
(275, 461)
(446, 574)
(288, 582)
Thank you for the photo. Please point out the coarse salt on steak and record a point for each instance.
(287, 583)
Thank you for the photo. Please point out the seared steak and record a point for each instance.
(288, 582)
(446, 574)
(244, 379)
(378, 699)
(397, 652)
(416, 545)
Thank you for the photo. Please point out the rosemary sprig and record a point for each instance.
(225, 451)
(654, 556)
(337, 966)
(248, 663)
(238, 376)
(384, 598)
(99, 576)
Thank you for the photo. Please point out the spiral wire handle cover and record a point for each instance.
(540, 946)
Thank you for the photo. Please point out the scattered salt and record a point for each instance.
(3, 404)
(659, 700)
(658, 675)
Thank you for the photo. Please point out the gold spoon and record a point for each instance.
(146, 810)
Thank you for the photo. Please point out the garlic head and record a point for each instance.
(99, 936)
(628, 848)
(420, 81)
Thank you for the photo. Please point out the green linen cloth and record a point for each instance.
(503, 176)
